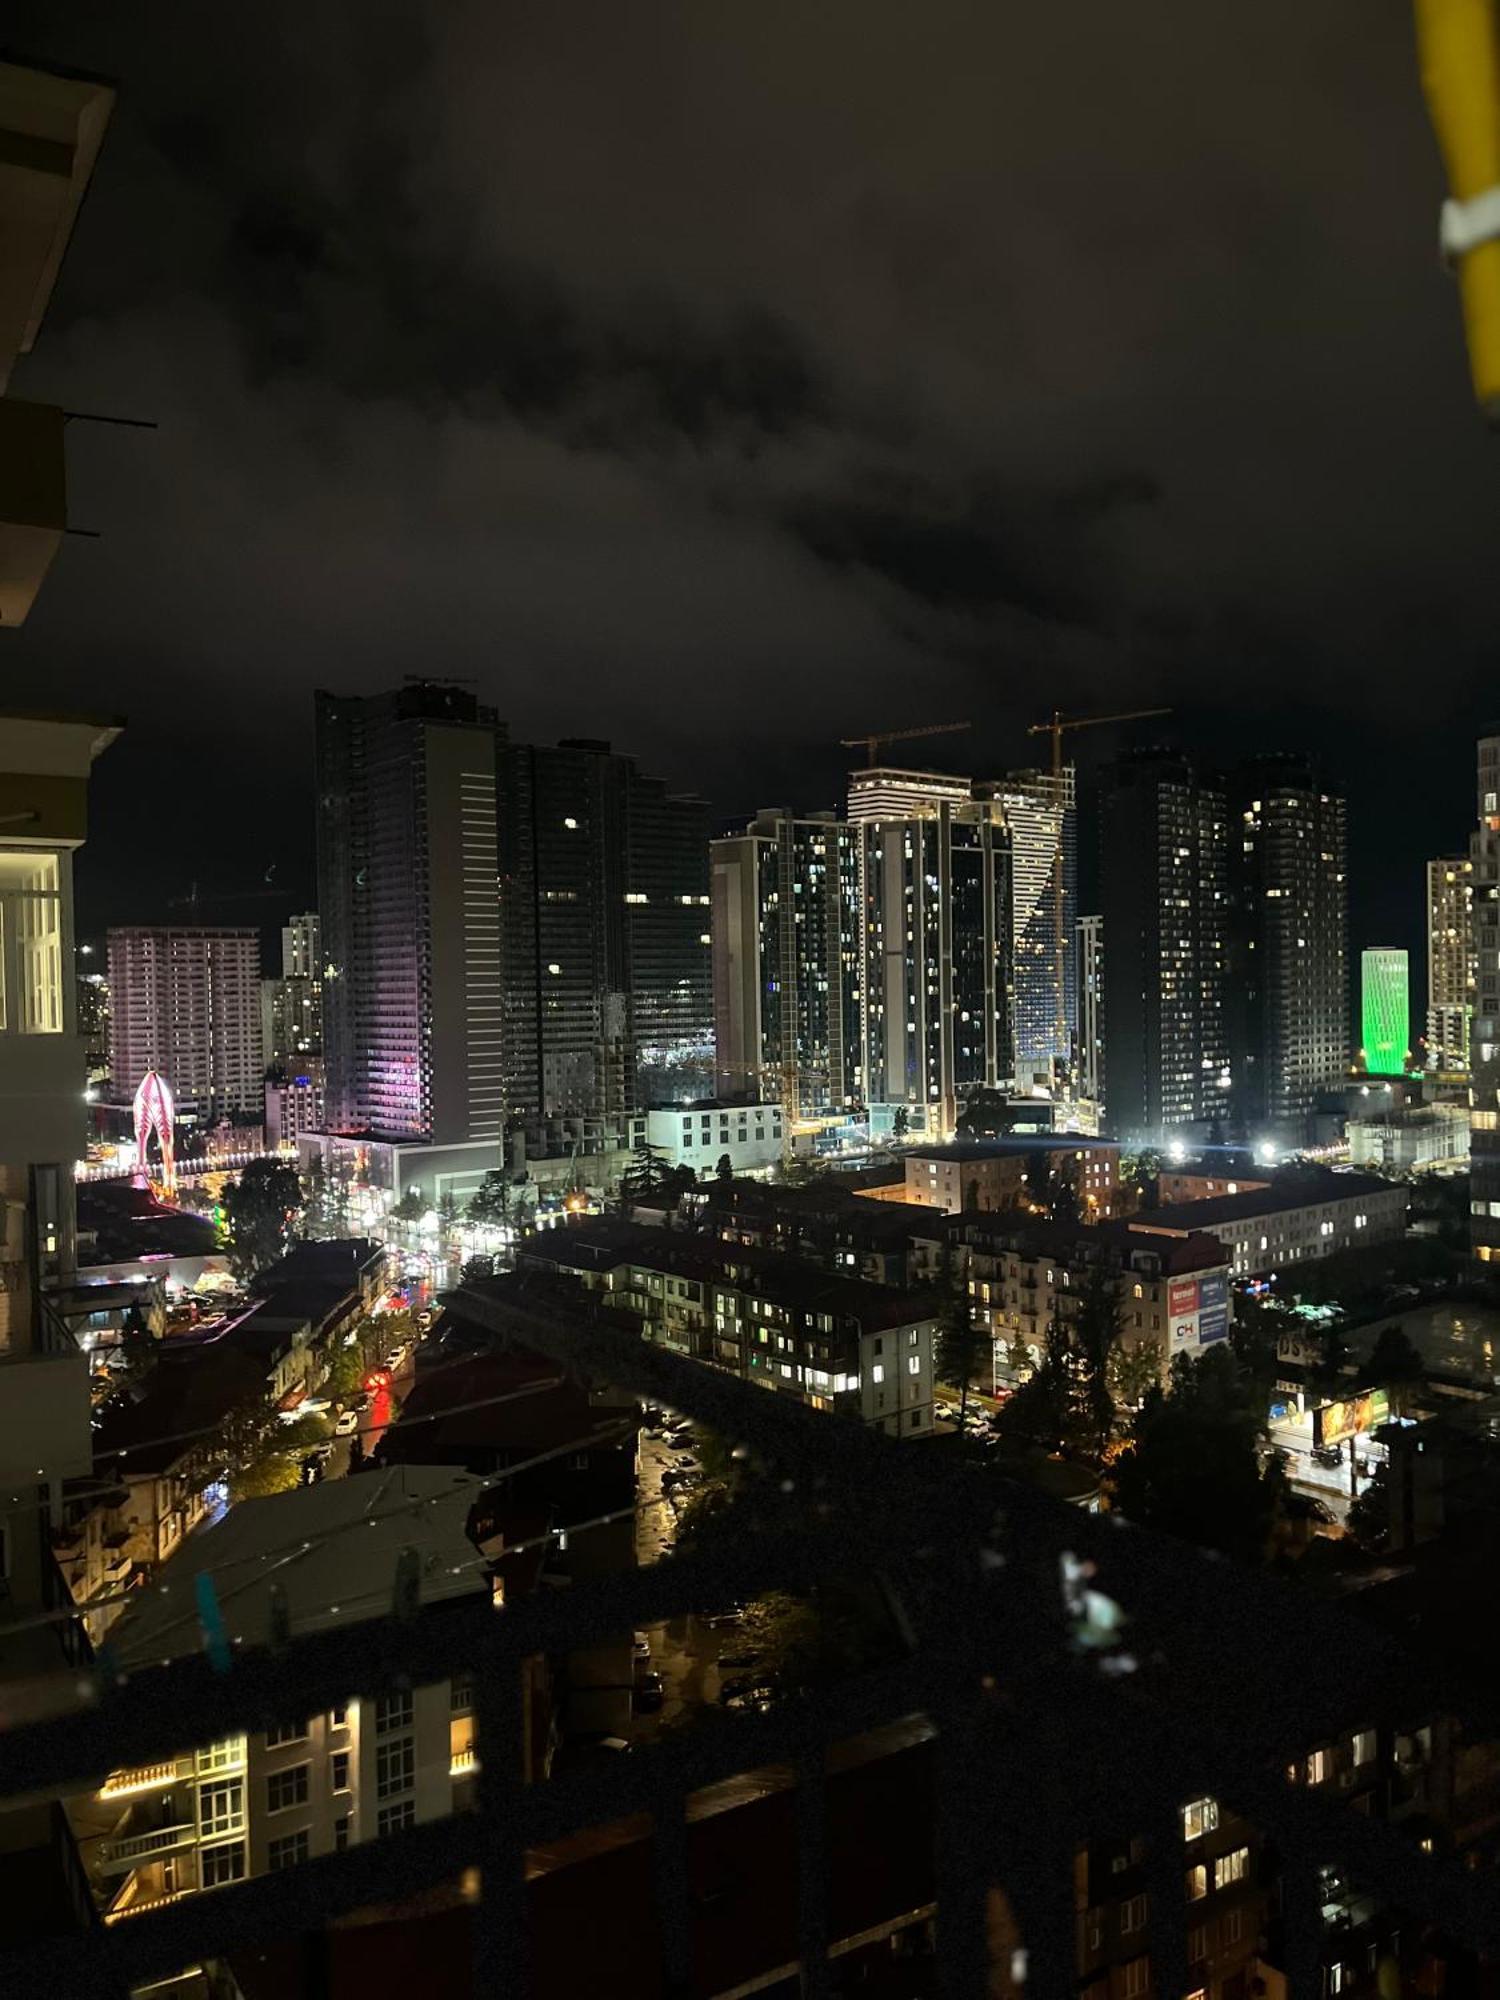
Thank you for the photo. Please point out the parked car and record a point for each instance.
(649, 1693)
(641, 1649)
(732, 1662)
(747, 1694)
(347, 1424)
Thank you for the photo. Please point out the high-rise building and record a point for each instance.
(409, 916)
(787, 959)
(1288, 993)
(934, 1000)
(1451, 969)
(606, 902)
(1484, 1044)
(1163, 828)
(185, 1001)
(1041, 812)
(1039, 817)
(291, 1022)
(1091, 1009)
(1385, 1010)
(301, 951)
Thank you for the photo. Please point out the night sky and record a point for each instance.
(725, 378)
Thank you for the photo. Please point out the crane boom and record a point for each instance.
(871, 744)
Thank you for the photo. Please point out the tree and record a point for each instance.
(411, 1207)
(1395, 1365)
(960, 1344)
(260, 1213)
(647, 1174)
(901, 1123)
(1370, 1512)
(724, 1171)
(1193, 1466)
(1142, 1171)
(1134, 1369)
(1041, 1412)
(447, 1211)
(1038, 1177)
(1096, 1330)
(489, 1205)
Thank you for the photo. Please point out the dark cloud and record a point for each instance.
(730, 378)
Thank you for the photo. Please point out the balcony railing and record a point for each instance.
(1041, 1743)
(134, 1848)
(463, 1763)
(146, 1778)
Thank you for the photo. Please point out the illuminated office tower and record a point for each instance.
(1451, 969)
(1163, 831)
(1288, 992)
(1042, 816)
(787, 961)
(934, 894)
(408, 907)
(1385, 1010)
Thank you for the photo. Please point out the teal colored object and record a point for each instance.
(1385, 1010)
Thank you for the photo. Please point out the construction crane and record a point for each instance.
(871, 744)
(1057, 726)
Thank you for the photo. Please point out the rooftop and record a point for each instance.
(149, 1426)
(964, 1150)
(457, 1409)
(1305, 1190)
(328, 1551)
(1181, 1248)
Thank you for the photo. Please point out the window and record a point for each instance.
(913, 1364)
(395, 1767)
(338, 1718)
(461, 1697)
(341, 1827)
(393, 1819)
(1132, 1914)
(1364, 1746)
(286, 1732)
(915, 1420)
(911, 1338)
(288, 1850)
(222, 1864)
(393, 1711)
(1198, 1944)
(1093, 1926)
(1317, 1767)
(1135, 1978)
(31, 980)
(1197, 1882)
(338, 1771)
(1231, 1867)
(1234, 1924)
(286, 1788)
(221, 1806)
(877, 1373)
(1199, 1816)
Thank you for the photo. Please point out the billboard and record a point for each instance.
(1332, 1422)
(1213, 1309)
(1182, 1314)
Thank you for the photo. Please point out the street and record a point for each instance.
(684, 1651)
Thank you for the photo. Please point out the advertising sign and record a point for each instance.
(1213, 1309)
(1333, 1422)
(1182, 1313)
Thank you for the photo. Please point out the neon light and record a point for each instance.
(154, 1112)
(1385, 1010)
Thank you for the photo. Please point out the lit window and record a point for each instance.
(1231, 1867)
(1197, 1882)
(1317, 1767)
(877, 1373)
(1363, 1742)
(1200, 1816)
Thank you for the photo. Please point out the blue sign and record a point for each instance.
(1213, 1310)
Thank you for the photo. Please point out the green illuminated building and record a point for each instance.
(1384, 1010)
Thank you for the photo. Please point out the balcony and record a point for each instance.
(1011, 1686)
(118, 1856)
(463, 1763)
(146, 1778)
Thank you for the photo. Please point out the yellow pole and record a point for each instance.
(1458, 43)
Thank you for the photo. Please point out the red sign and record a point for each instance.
(1182, 1297)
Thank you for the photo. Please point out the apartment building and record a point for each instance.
(836, 1343)
(1298, 1219)
(307, 1784)
(1000, 1173)
(750, 1136)
(1023, 1274)
(185, 1001)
